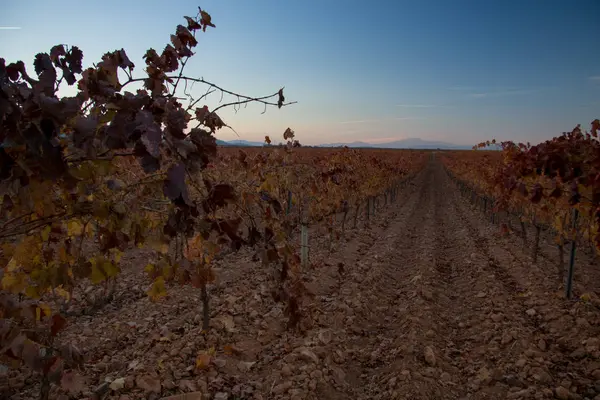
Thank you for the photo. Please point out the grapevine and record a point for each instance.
(87, 178)
(554, 184)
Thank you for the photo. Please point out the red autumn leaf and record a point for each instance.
(73, 382)
(58, 324)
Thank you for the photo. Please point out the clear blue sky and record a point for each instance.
(454, 70)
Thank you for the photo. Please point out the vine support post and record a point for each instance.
(523, 230)
(289, 203)
(205, 307)
(304, 243)
(569, 285)
(345, 209)
(536, 241)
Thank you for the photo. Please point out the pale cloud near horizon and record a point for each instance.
(595, 78)
(364, 121)
(381, 140)
(498, 93)
(482, 92)
(417, 105)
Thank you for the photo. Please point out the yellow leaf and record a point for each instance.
(585, 297)
(97, 275)
(14, 283)
(117, 255)
(158, 289)
(63, 293)
(8, 249)
(46, 233)
(102, 167)
(62, 254)
(159, 246)
(45, 309)
(74, 228)
(32, 292)
(149, 268)
(110, 269)
(203, 361)
(12, 265)
(37, 259)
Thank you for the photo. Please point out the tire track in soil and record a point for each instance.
(388, 359)
(479, 315)
(542, 339)
(329, 290)
(444, 291)
(450, 308)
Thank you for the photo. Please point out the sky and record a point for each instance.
(460, 71)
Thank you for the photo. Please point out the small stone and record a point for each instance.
(117, 384)
(148, 383)
(325, 336)
(542, 345)
(339, 375)
(496, 317)
(392, 382)
(578, 354)
(429, 356)
(282, 388)
(531, 312)
(592, 345)
(168, 384)
(286, 370)
(219, 362)
(187, 385)
(562, 393)
(317, 374)
(427, 295)
(521, 362)
(540, 375)
(245, 366)
(308, 355)
(507, 337)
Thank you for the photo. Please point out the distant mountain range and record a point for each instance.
(239, 143)
(411, 143)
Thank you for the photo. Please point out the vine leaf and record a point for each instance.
(218, 196)
(58, 324)
(281, 98)
(73, 382)
(175, 188)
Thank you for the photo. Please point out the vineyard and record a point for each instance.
(142, 261)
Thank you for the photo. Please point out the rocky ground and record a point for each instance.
(432, 302)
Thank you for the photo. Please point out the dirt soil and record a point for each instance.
(432, 302)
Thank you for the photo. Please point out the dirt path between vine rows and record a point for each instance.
(453, 313)
(429, 302)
